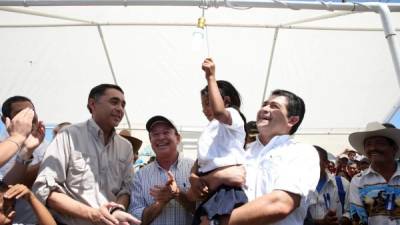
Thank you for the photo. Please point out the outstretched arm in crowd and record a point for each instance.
(216, 102)
(20, 191)
(18, 128)
(22, 172)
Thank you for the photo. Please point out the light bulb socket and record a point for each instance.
(201, 22)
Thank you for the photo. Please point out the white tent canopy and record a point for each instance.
(339, 61)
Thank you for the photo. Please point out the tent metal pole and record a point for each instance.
(111, 67)
(270, 65)
(316, 5)
(282, 26)
(47, 15)
(318, 18)
(392, 112)
(390, 34)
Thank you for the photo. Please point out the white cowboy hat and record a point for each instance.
(374, 129)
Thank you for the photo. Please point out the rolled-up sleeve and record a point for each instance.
(303, 159)
(52, 172)
(137, 204)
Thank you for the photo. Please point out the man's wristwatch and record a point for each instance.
(116, 208)
(23, 161)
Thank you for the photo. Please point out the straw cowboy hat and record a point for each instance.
(136, 143)
(374, 129)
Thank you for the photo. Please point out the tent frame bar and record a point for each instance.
(268, 26)
(316, 5)
(390, 34)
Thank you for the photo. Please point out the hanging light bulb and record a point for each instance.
(199, 34)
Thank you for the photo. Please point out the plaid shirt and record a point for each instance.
(152, 174)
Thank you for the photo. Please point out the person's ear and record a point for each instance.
(227, 101)
(293, 120)
(178, 136)
(91, 104)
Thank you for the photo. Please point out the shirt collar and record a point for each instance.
(275, 141)
(369, 170)
(97, 131)
(174, 165)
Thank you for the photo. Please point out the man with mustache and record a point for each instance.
(375, 193)
(86, 172)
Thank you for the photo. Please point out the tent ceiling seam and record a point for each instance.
(110, 65)
(270, 64)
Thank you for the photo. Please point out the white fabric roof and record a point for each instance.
(341, 66)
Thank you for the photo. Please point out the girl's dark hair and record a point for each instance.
(226, 89)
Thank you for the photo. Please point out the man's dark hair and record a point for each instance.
(99, 90)
(322, 152)
(6, 108)
(296, 106)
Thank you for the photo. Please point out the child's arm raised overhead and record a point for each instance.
(217, 103)
(21, 191)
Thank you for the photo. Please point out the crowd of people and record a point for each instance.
(245, 173)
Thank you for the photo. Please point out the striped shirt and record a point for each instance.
(153, 174)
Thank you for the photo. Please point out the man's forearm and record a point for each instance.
(152, 212)
(31, 174)
(230, 175)
(266, 209)
(66, 205)
(123, 200)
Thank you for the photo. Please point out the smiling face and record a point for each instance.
(108, 109)
(272, 118)
(164, 140)
(379, 150)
